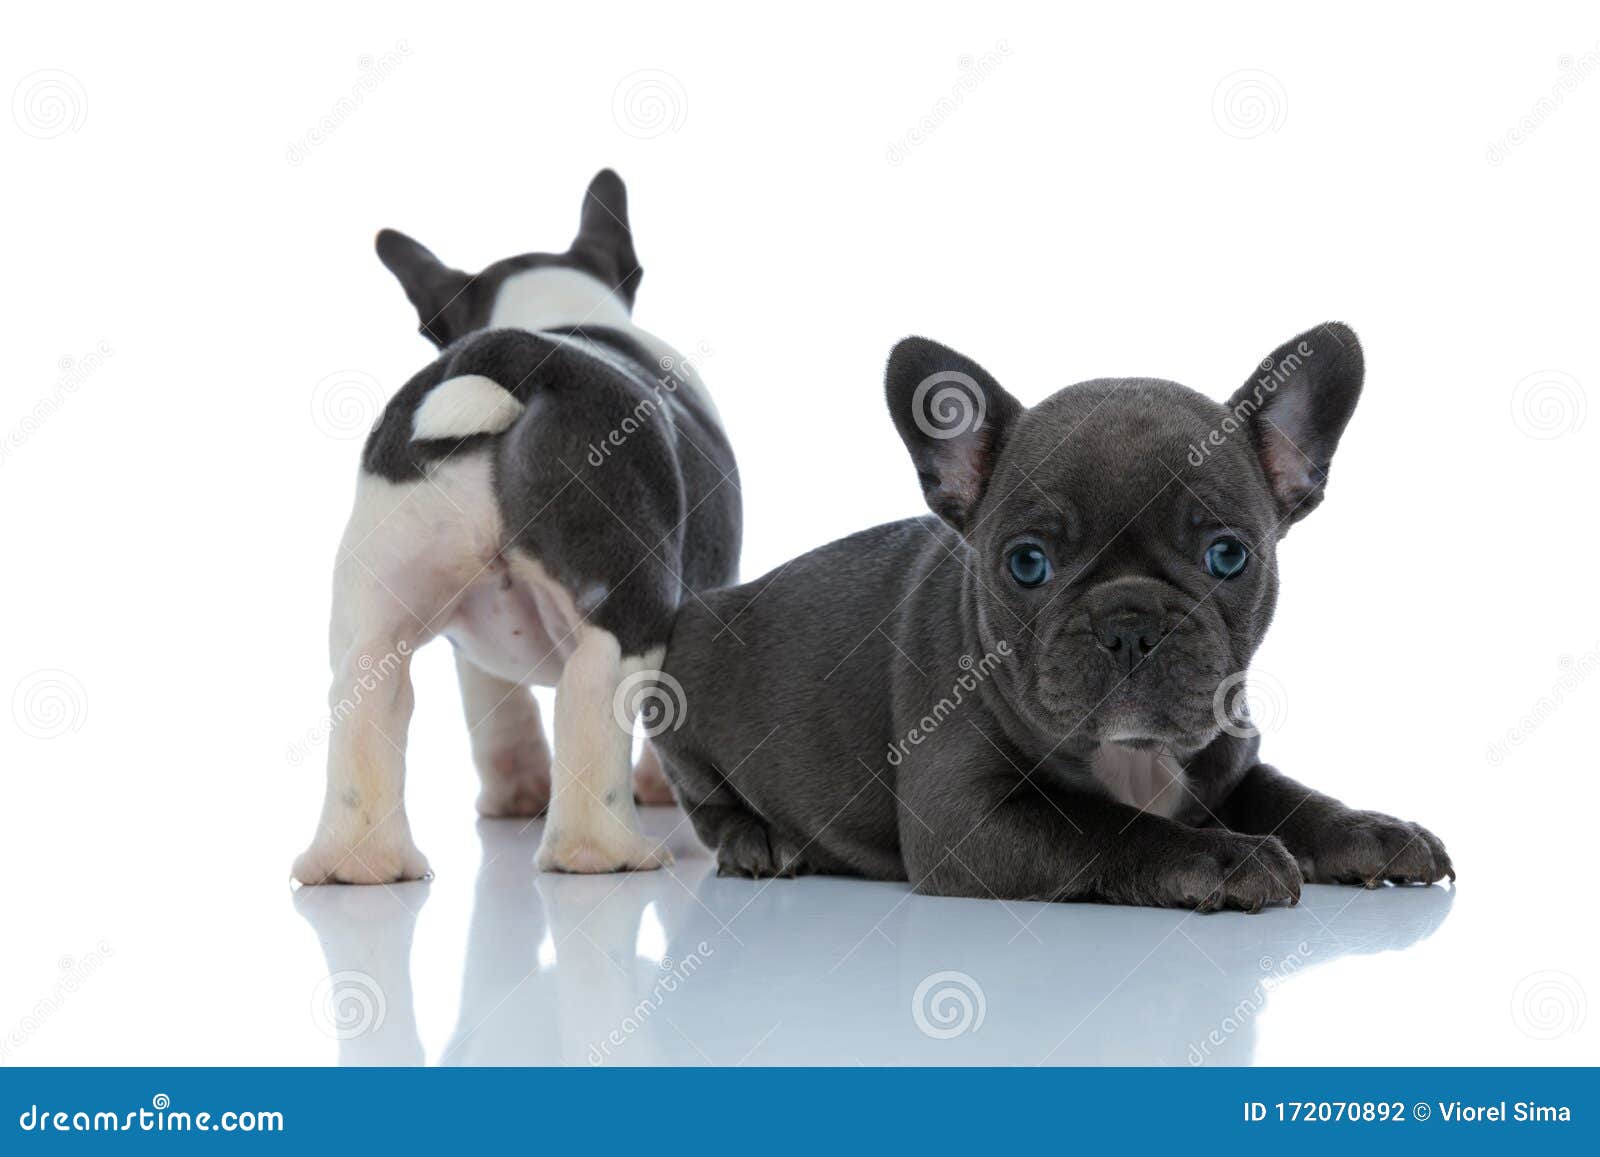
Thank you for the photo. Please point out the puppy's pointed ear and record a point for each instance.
(605, 240)
(1295, 407)
(954, 419)
(433, 287)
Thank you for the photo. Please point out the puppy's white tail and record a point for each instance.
(462, 406)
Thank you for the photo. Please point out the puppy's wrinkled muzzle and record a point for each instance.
(1128, 637)
(1129, 619)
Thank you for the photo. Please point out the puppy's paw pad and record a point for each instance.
(368, 861)
(586, 855)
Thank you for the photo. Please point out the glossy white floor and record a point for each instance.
(688, 968)
(491, 963)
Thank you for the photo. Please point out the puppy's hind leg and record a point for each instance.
(406, 554)
(593, 825)
(363, 836)
(508, 745)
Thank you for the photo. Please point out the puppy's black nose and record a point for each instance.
(1128, 636)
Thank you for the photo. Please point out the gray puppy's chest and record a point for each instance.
(1152, 781)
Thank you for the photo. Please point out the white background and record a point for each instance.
(1112, 198)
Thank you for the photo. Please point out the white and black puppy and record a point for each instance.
(543, 495)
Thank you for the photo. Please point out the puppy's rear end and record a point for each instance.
(488, 512)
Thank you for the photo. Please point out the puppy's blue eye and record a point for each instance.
(1226, 558)
(1028, 565)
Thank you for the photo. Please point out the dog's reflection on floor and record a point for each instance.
(683, 967)
(610, 934)
(557, 963)
(365, 1003)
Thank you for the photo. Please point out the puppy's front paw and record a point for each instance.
(1228, 870)
(584, 849)
(751, 848)
(378, 858)
(1367, 848)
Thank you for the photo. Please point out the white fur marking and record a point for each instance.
(462, 406)
(1151, 781)
(553, 296)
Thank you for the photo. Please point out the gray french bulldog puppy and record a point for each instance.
(1036, 693)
